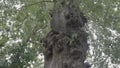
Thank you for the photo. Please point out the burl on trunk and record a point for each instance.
(66, 44)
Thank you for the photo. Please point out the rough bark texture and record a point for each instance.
(66, 44)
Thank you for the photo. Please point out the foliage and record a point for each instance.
(22, 26)
(23, 23)
(104, 30)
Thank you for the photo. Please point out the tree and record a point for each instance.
(23, 23)
(66, 44)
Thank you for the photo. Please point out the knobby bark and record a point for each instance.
(66, 44)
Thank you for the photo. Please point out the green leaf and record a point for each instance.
(3, 41)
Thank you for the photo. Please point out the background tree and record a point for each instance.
(23, 23)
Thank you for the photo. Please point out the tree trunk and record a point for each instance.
(66, 44)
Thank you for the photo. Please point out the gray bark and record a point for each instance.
(66, 44)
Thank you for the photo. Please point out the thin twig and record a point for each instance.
(37, 3)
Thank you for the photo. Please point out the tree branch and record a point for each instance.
(37, 3)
